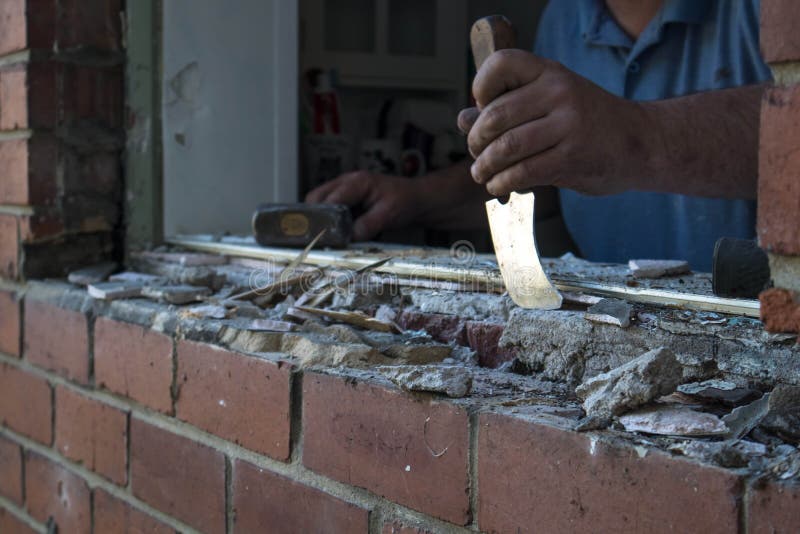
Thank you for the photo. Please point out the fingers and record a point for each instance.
(537, 170)
(349, 189)
(504, 71)
(467, 118)
(517, 144)
(506, 112)
(371, 223)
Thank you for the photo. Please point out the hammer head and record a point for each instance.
(295, 225)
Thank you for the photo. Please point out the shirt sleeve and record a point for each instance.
(748, 22)
(544, 43)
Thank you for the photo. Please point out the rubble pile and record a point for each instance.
(604, 363)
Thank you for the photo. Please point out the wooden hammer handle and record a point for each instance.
(489, 35)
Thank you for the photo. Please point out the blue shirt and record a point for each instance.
(690, 46)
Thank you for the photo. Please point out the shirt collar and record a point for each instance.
(599, 27)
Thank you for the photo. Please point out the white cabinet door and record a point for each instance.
(229, 111)
(388, 43)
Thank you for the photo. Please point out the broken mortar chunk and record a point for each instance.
(611, 311)
(453, 380)
(93, 274)
(651, 375)
(658, 268)
(176, 294)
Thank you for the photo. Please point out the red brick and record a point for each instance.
(779, 162)
(114, 515)
(9, 246)
(10, 524)
(484, 339)
(92, 433)
(774, 509)
(396, 527)
(18, 32)
(779, 38)
(14, 164)
(780, 310)
(9, 323)
(134, 362)
(13, 25)
(92, 174)
(536, 477)
(95, 23)
(178, 476)
(14, 98)
(243, 399)
(267, 502)
(40, 226)
(28, 96)
(29, 169)
(57, 339)
(52, 491)
(10, 471)
(444, 328)
(93, 93)
(26, 404)
(410, 449)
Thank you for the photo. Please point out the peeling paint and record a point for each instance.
(186, 86)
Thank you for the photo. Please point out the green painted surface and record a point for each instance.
(143, 162)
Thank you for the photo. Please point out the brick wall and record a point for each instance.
(779, 186)
(106, 425)
(61, 102)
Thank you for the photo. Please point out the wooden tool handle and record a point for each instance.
(490, 34)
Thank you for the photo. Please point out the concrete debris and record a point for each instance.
(783, 417)
(93, 274)
(364, 293)
(271, 325)
(244, 309)
(651, 375)
(188, 259)
(313, 351)
(658, 268)
(564, 346)
(580, 298)
(461, 355)
(730, 454)
(611, 311)
(207, 311)
(180, 274)
(176, 294)
(476, 306)
(386, 314)
(680, 421)
(455, 381)
(134, 277)
(354, 318)
(593, 422)
(115, 290)
(726, 393)
(744, 419)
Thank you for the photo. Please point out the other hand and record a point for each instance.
(388, 201)
(538, 123)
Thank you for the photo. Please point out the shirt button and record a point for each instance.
(634, 67)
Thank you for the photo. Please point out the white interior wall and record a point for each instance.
(229, 111)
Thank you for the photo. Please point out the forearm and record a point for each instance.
(702, 145)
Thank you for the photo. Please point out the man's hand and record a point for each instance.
(388, 201)
(538, 123)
